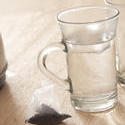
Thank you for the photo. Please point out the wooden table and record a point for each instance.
(27, 27)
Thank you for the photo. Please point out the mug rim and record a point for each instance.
(87, 8)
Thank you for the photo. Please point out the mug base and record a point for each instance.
(94, 105)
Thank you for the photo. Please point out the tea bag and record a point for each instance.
(47, 116)
(45, 106)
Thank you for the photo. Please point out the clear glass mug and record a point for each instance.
(120, 5)
(89, 43)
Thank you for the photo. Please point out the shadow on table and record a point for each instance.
(9, 113)
(92, 119)
(115, 116)
(118, 114)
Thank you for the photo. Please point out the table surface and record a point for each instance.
(27, 27)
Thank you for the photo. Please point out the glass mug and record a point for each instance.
(120, 5)
(89, 43)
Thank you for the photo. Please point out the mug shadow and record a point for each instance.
(9, 113)
(115, 115)
(118, 114)
(92, 118)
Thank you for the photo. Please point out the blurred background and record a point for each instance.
(26, 5)
(30, 25)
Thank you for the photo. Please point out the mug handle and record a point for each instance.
(41, 62)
